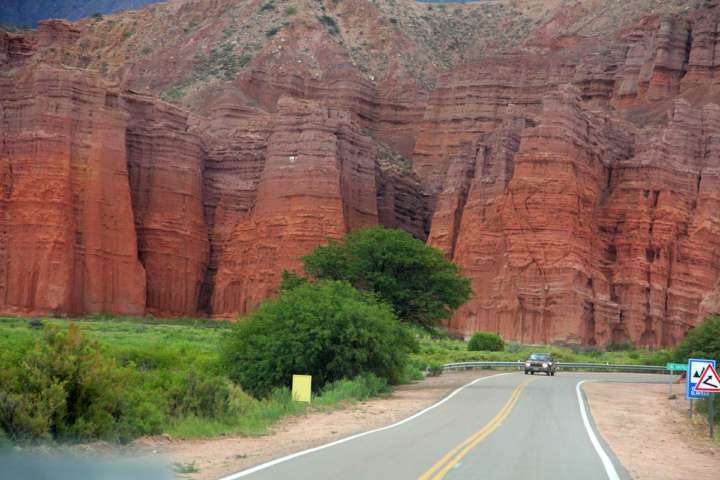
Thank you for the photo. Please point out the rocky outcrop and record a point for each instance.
(236, 139)
(574, 179)
(318, 182)
(165, 164)
(67, 237)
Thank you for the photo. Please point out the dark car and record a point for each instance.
(540, 362)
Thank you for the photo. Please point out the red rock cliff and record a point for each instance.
(574, 177)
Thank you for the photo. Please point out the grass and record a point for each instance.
(186, 468)
(176, 368)
(438, 348)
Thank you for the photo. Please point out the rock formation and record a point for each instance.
(573, 174)
(67, 238)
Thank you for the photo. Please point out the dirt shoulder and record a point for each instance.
(651, 435)
(218, 457)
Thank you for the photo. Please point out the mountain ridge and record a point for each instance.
(569, 170)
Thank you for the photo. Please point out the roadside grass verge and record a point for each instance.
(174, 366)
(437, 348)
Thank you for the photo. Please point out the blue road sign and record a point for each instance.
(696, 367)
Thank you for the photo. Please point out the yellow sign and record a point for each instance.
(301, 388)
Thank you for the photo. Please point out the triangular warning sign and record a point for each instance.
(709, 381)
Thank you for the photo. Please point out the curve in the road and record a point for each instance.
(498, 428)
(607, 463)
(454, 456)
(269, 464)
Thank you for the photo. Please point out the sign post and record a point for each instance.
(709, 384)
(671, 368)
(711, 415)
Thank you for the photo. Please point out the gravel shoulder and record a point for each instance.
(217, 457)
(652, 435)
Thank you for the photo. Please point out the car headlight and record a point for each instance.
(545, 365)
(527, 364)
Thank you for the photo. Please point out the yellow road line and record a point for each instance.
(450, 459)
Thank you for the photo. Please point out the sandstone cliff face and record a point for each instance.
(318, 182)
(67, 237)
(165, 164)
(574, 179)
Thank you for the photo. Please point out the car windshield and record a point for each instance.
(539, 356)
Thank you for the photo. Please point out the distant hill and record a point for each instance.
(26, 13)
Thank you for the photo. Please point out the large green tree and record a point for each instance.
(416, 280)
(702, 341)
(326, 329)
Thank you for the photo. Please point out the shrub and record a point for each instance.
(272, 32)
(326, 329)
(360, 388)
(702, 341)
(330, 24)
(200, 395)
(624, 346)
(485, 342)
(290, 11)
(435, 369)
(416, 280)
(65, 388)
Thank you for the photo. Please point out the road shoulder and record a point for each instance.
(651, 435)
(218, 457)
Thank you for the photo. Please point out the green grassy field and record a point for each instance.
(173, 365)
(176, 368)
(439, 348)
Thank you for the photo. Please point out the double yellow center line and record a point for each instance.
(440, 469)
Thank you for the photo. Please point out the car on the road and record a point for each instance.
(540, 362)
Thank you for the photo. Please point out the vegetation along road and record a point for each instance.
(539, 426)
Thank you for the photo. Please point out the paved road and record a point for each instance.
(504, 427)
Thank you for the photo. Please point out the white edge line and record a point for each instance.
(271, 463)
(607, 463)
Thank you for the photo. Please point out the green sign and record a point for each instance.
(676, 367)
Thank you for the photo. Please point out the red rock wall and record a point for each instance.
(165, 163)
(236, 140)
(67, 237)
(318, 182)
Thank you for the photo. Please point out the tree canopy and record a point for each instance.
(702, 341)
(416, 280)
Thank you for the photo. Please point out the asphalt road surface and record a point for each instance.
(504, 427)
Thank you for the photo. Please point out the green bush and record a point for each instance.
(330, 24)
(435, 369)
(485, 342)
(416, 280)
(360, 388)
(326, 329)
(201, 395)
(289, 11)
(702, 341)
(65, 388)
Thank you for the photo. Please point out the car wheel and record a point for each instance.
(525, 372)
(532, 373)
(547, 373)
(553, 374)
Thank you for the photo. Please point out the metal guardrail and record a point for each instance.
(605, 367)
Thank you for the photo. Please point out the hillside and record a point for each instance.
(21, 13)
(174, 160)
